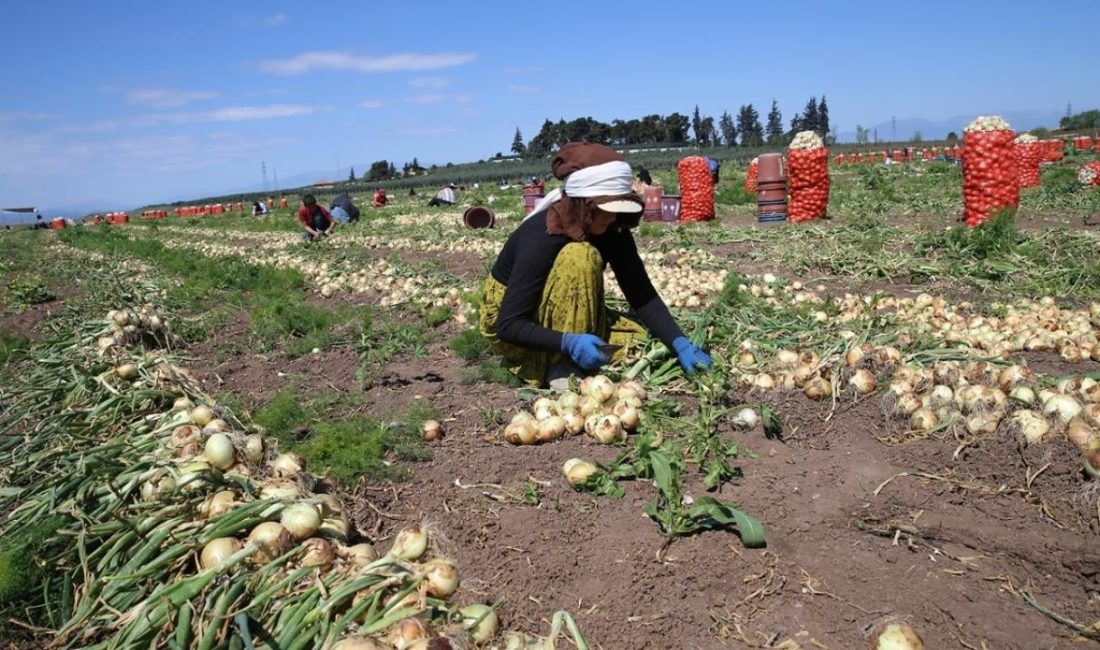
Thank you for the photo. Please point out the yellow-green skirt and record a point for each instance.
(572, 301)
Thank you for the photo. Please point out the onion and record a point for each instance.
(589, 406)
(1092, 457)
(356, 643)
(184, 434)
(406, 633)
(630, 388)
(127, 371)
(219, 451)
(217, 425)
(432, 430)
(855, 354)
(941, 396)
(577, 470)
(441, 577)
(863, 381)
(521, 417)
(301, 520)
(157, 486)
(273, 539)
(764, 381)
(192, 474)
(485, 629)
(544, 407)
(217, 550)
(746, 418)
(629, 416)
(1062, 408)
(409, 544)
(1078, 431)
(600, 388)
(1012, 376)
(318, 552)
(183, 403)
(1091, 413)
(280, 489)
(220, 502)
(923, 420)
(608, 429)
(1030, 427)
(574, 422)
(786, 358)
(550, 429)
(202, 415)
(568, 401)
(287, 465)
(818, 388)
(1023, 395)
(897, 636)
(360, 554)
(982, 423)
(254, 448)
(520, 433)
(336, 527)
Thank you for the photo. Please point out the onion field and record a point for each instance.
(214, 434)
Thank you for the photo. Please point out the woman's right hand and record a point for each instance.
(584, 350)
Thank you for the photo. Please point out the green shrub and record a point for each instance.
(470, 345)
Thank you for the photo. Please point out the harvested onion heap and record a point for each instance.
(603, 410)
(807, 140)
(980, 397)
(1089, 174)
(684, 278)
(134, 326)
(987, 123)
(1025, 138)
(185, 516)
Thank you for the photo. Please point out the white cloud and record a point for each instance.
(227, 114)
(523, 90)
(371, 103)
(439, 130)
(516, 70)
(273, 20)
(99, 126)
(430, 82)
(328, 60)
(19, 116)
(166, 97)
(439, 98)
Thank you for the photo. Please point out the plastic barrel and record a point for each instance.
(771, 188)
(670, 207)
(529, 202)
(478, 217)
(652, 198)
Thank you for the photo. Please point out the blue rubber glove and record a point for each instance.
(583, 350)
(691, 356)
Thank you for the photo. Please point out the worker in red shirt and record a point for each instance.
(380, 199)
(315, 219)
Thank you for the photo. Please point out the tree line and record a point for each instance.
(745, 129)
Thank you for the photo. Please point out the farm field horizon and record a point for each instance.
(896, 431)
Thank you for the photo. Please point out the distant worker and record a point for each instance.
(315, 219)
(643, 175)
(412, 191)
(714, 167)
(445, 196)
(343, 209)
(380, 199)
(259, 209)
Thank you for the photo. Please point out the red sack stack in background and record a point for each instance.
(750, 176)
(990, 180)
(1029, 152)
(808, 170)
(1053, 150)
(1089, 174)
(696, 189)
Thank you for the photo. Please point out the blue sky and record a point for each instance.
(127, 102)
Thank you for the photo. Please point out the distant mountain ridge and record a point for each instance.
(904, 128)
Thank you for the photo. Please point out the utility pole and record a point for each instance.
(893, 129)
(275, 172)
(263, 169)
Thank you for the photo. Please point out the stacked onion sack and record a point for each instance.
(808, 170)
(990, 181)
(604, 410)
(1053, 150)
(1089, 174)
(696, 189)
(1082, 143)
(750, 175)
(1029, 153)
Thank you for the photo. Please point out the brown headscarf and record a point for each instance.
(572, 216)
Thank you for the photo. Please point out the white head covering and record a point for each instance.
(607, 179)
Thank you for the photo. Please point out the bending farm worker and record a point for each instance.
(315, 219)
(343, 209)
(544, 298)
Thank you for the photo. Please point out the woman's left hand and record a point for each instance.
(691, 356)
